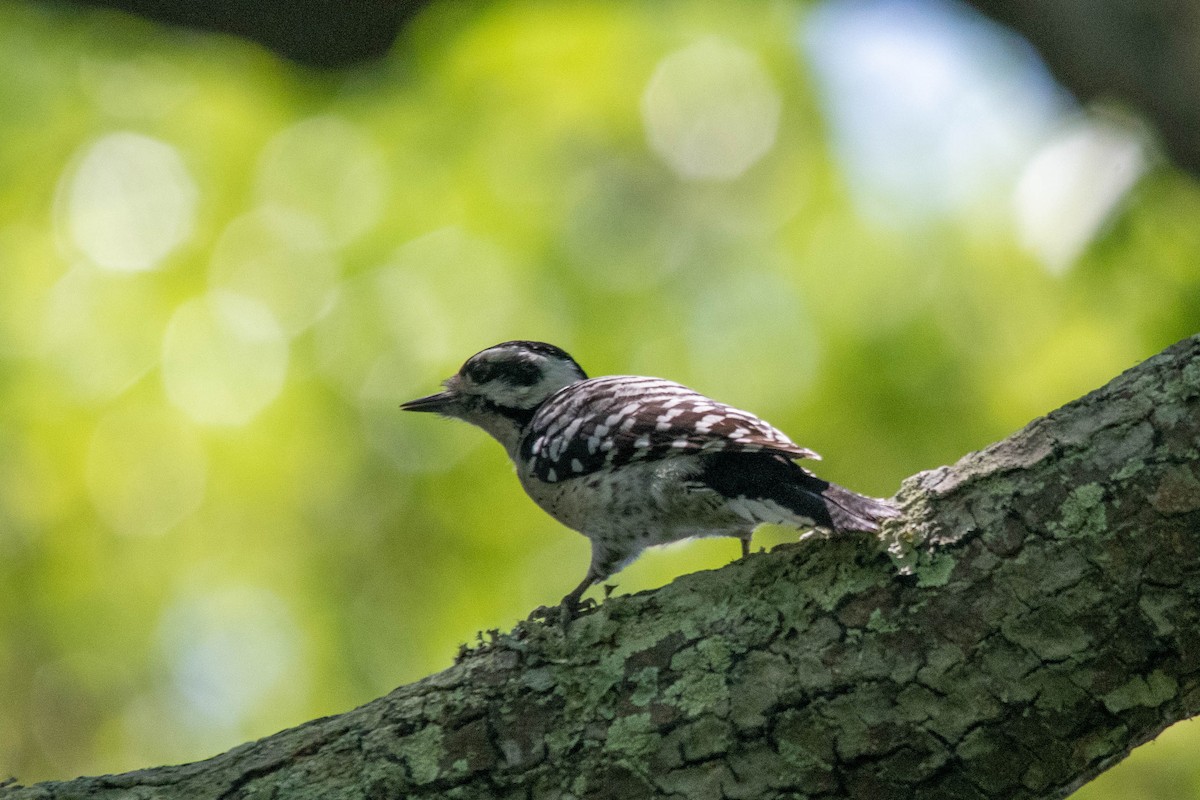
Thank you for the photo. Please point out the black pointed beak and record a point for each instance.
(437, 403)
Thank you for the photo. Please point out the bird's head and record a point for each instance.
(500, 388)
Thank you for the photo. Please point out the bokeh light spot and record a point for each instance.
(329, 169)
(1072, 185)
(396, 331)
(224, 358)
(477, 310)
(932, 107)
(146, 470)
(129, 202)
(281, 258)
(232, 653)
(710, 110)
(103, 329)
(417, 312)
(358, 330)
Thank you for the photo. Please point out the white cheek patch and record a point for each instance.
(506, 395)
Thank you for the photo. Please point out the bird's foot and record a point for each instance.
(572, 608)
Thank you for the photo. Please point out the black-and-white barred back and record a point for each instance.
(612, 421)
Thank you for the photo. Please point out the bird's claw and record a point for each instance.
(571, 608)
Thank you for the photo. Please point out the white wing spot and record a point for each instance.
(576, 465)
(766, 511)
(593, 443)
(551, 475)
(642, 441)
(681, 443)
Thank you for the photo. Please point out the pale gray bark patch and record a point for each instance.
(1033, 616)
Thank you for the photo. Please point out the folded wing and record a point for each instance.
(615, 420)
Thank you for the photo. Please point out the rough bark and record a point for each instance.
(1033, 616)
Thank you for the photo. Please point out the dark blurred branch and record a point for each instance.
(1033, 616)
(1144, 53)
(315, 33)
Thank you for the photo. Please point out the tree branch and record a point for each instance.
(1139, 53)
(314, 33)
(1033, 616)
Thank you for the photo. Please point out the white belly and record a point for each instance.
(652, 503)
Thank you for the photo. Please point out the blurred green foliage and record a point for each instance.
(220, 274)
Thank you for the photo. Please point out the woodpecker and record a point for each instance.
(631, 462)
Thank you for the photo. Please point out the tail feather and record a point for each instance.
(851, 511)
(808, 500)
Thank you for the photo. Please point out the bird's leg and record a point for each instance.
(569, 607)
(572, 604)
(605, 561)
(745, 540)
